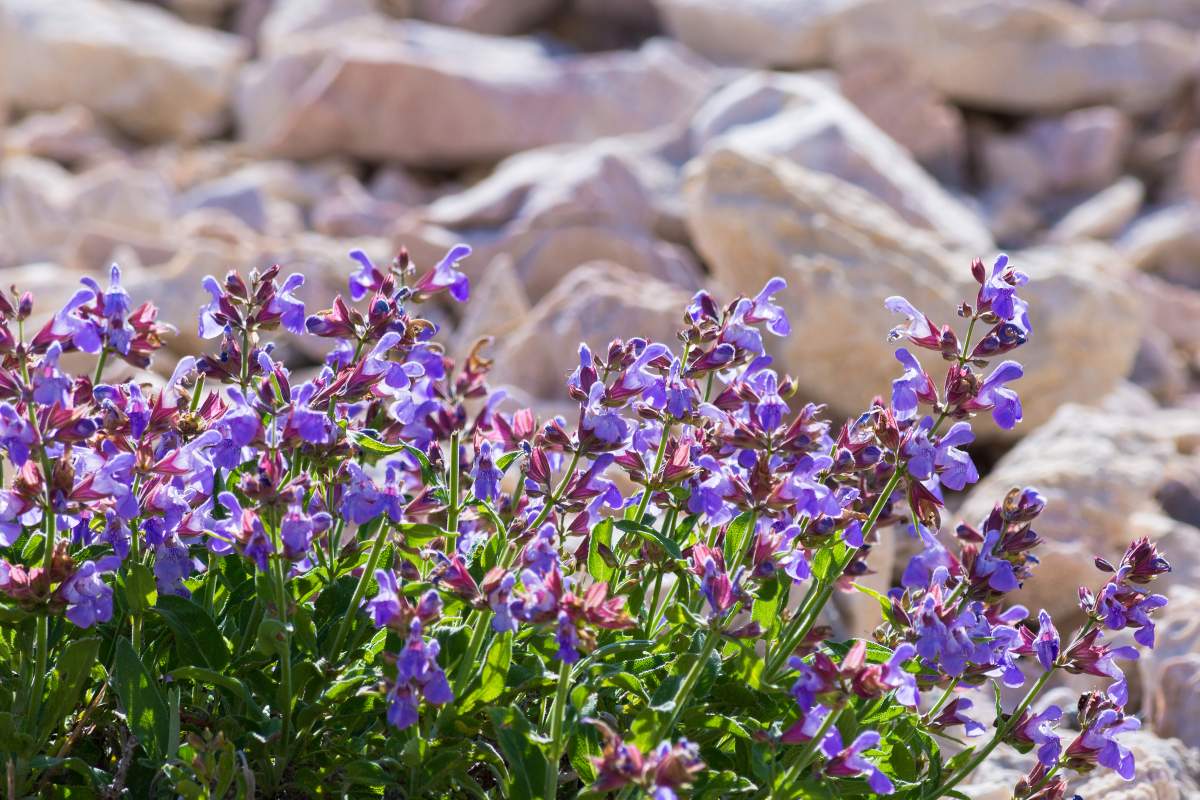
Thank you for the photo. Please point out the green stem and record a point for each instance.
(557, 713)
(361, 589)
(452, 480)
(658, 459)
(806, 755)
(946, 695)
(689, 683)
(1001, 732)
(285, 658)
(100, 362)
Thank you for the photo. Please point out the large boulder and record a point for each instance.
(1022, 56)
(1100, 471)
(552, 209)
(842, 252)
(370, 86)
(759, 33)
(1167, 769)
(804, 120)
(141, 67)
(595, 303)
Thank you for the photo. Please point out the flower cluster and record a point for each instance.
(280, 564)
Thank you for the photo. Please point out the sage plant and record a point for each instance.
(381, 578)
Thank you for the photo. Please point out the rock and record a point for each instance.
(35, 215)
(885, 89)
(1183, 13)
(594, 303)
(501, 17)
(1022, 56)
(240, 195)
(757, 33)
(753, 217)
(1189, 168)
(71, 135)
(1103, 215)
(1158, 368)
(1082, 151)
(1166, 770)
(556, 208)
(803, 120)
(500, 308)
(348, 87)
(1097, 469)
(124, 196)
(93, 246)
(1166, 242)
(352, 211)
(138, 66)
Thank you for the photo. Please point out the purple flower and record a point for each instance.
(994, 395)
(997, 573)
(500, 600)
(485, 475)
(955, 713)
(385, 606)
(289, 308)
(604, 424)
(1121, 606)
(566, 636)
(919, 329)
(955, 468)
(88, 597)
(1098, 744)
(770, 408)
(911, 388)
(16, 437)
(1037, 730)
(805, 728)
(930, 567)
(920, 451)
(297, 529)
(417, 675)
(1047, 643)
(894, 676)
(361, 501)
(50, 384)
(763, 308)
(366, 279)
(848, 762)
(444, 276)
(1090, 657)
(210, 327)
(172, 564)
(998, 293)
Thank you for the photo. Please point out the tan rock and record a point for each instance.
(1103, 215)
(350, 86)
(1166, 770)
(753, 217)
(35, 214)
(1022, 56)
(70, 135)
(594, 303)
(802, 119)
(758, 33)
(142, 68)
(500, 306)
(1166, 242)
(503, 17)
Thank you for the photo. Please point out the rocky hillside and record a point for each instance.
(605, 158)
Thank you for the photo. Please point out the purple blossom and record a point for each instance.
(955, 713)
(1047, 643)
(999, 291)
(955, 468)
(417, 675)
(1038, 730)
(485, 475)
(16, 437)
(993, 394)
(172, 564)
(770, 408)
(918, 329)
(210, 327)
(848, 762)
(88, 597)
(289, 308)
(1098, 743)
(911, 388)
(763, 308)
(445, 276)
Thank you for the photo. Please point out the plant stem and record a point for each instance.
(1001, 732)
(557, 713)
(689, 683)
(810, 749)
(100, 362)
(452, 481)
(946, 695)
(285, 657)
(361, 589)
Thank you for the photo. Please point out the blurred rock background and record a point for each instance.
(605, 158)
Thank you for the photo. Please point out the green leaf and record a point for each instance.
(737, 535)
(770, 598)
(652, 536)
(197, 640)
(598, 564)
(420, 532)
(494, 675)
(506, 460)
(140, 589)
(74, 667)
(145, 707)
(521, 747)
(373, 445)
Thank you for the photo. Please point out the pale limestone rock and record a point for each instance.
(373, 87)
(1022, 56)
(842, 252)
(594, 303)
(1103, 215)
(803, 120)
(140, 67)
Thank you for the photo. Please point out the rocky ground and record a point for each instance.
(607, 157)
